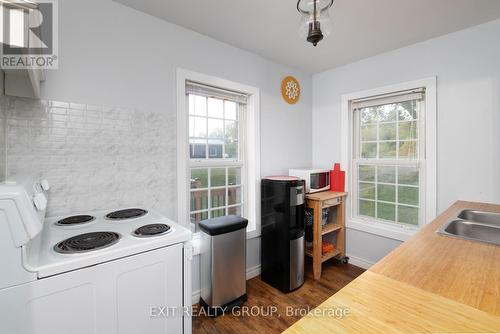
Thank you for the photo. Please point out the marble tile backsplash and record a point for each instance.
(95, 157)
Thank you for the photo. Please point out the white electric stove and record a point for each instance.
(116, 271)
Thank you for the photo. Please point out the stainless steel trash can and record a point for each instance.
(223, 263)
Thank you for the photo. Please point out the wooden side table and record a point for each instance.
(334, 227)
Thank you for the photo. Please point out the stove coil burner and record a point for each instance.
(75, 220)
(87, 242)
(152, 230)
(126, 214)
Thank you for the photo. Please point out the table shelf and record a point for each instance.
(324, 256)
(334, 229)
(330, 227)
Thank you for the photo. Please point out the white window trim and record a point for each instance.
(252, 158)
(393, 231)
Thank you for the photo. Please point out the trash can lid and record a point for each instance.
(222, 225)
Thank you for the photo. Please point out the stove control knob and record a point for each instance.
(45, 185)
(40, 201)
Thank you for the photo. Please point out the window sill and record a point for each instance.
(396, 232)
(196, 240)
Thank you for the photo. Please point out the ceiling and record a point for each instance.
(361, 28)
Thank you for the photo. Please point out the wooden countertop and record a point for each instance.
(325, 195)
(431, 283)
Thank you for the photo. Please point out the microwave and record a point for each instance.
(316, 179)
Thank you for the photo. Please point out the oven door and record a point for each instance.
(319, 181)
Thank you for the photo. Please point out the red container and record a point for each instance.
(337, 179)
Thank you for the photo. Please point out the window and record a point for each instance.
(218, 150)
(18, 17)
(217, 164)
(388, 158)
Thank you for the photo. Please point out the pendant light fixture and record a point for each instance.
(315, 19)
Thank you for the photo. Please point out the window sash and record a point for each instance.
(396, 184)
(212, 162)
(241, 185)
(420, 139)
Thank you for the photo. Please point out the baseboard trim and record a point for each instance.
(251, 273)
(359, 262)
(195, 299)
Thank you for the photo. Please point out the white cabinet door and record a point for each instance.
(149, 293)
(122, 296)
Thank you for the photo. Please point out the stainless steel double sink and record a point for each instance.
(475, 225)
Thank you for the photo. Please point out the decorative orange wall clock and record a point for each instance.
(290, 90)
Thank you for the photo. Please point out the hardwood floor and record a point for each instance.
(276, 306)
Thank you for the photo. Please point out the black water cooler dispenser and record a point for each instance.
(282, 240)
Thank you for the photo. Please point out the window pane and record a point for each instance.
(367, 173)
(231, 139)
(200, 105)
(386, 211)
(386, 174)
(408, 195)
(369, 133)
(367, 208)
(191, 104)
(386, 193)
(215, 128)
(197, 127)
(218, 213)
(217, 177)
(231, 130)
(218, 197)
(367, 190)
(231, 150)
(407, 110)
(215, 108)
(408, 150)
(230, 110)
(387, 113)
(387, 131)
(199, 200)
(233, 195)
(408, 175)
(199, 178)
(368, 115)
(407, 215)
(197, 217)
(387, 150)
(197, 148)
(235, 210)
(215, 148)
(408, 130)
(369, 150)
(233, 176)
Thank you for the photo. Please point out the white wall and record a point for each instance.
(113, 55)
(467, 66)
